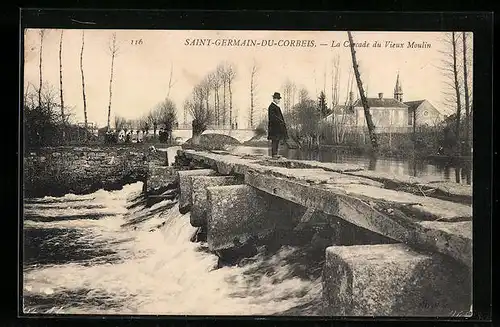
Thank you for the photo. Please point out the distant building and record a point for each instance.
(425, 113)
(388, 114)
(385, 112)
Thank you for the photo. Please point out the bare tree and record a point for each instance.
(153, 119)
(217, 81)
(457, 90)
(466, 93)
(222, 72)
(83, 82)
(144, 124)
(186, 110)
(253, 73)
(167, 115)
(315, 82)
(324, 80)
(171, 82)
(207, 86)
(303, 95)
(293, 98)
(288, 90)
(364, 101)
(202, 115)
(335, 81)
(41, 33)
(346, 112)
(308, 118)
(41, 116)
(61, 77)
(120, 123)
(231, 75)
(63, 118)
(113, 48)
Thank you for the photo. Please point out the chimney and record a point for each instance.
(381, 95)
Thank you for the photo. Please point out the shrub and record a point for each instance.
(111, 138)
(261, 128)
(213, 142)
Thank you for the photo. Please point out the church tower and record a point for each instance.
(398, 90)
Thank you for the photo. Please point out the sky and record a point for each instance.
(142, 71)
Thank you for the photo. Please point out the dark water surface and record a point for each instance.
(460, 172)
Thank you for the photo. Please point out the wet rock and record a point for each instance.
(235, 214)
(393, 280)
(199, 195)
(185, 184)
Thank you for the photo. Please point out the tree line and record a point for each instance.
(456, 67)
(162, 118)
(305, 114)
(48, 118)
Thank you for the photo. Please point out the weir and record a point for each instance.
(394, 246)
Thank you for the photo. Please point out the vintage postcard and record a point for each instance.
(227, 172)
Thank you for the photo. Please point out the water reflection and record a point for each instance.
(459, 172)
(372, 165)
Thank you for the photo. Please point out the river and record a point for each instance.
(79, 258)
(416, 167)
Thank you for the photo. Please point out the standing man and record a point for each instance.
(277, 127)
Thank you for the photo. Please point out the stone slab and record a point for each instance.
(185, 196)
(430, 186)
(394, 214)
(425, 208)
(158, 177)
(393, 280)
(231, 163)
(199, 184)
(235, 214)
(364, 214)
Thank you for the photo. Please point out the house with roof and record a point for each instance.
(424, 113)
(388, 114)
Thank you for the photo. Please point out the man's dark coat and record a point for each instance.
(276, 127)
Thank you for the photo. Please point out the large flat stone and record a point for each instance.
(231, 163)
(418, 185)
(199, 195)
(235, 214)
(423, 207)
(185, 197)
(393, 280)
(362, 213)
(359, 199)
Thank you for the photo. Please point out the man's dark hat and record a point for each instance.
(276, 95)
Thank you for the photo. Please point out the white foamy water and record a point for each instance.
(159, 271)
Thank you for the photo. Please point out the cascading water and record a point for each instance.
(82, 255)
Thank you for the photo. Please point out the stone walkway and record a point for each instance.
(425, 214)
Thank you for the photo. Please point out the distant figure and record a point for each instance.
(236, 124)
(276, 127)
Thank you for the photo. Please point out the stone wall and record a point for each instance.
(81, 170)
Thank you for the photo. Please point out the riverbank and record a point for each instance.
(56, 171)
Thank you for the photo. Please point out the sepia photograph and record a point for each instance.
(247, 173)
